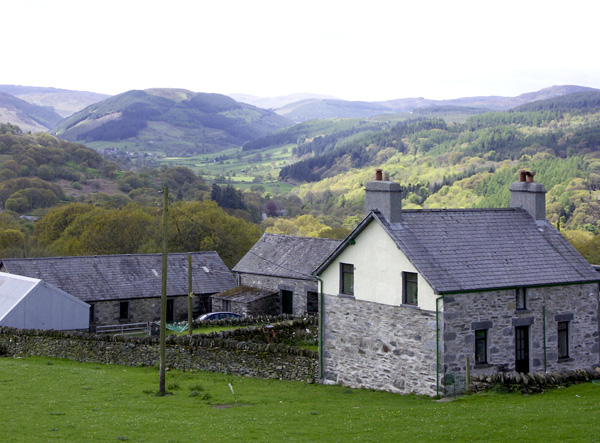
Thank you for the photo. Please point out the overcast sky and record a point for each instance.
(355, 50)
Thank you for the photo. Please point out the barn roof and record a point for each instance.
(286, 256)
(113, 277)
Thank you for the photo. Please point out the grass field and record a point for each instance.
(44, 399)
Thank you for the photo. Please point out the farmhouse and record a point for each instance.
(127, 288)
(411, 296)
(283, 264)
(30, 303)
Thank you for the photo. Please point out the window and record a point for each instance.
(91, 313)
(170, 310)
(227, 305)
(124, 310)
(481, 346)
(409, 288)
(521, 298)
(346, 279)
(563, 339)
(312, 302)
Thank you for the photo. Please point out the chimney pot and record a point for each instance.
(378, 175)
(386, 176)
(523, 175)
(530, 176)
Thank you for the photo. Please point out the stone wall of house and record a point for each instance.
(300, 288)
(189, 353)
(496, 312)
(143, 310)
(372, 345)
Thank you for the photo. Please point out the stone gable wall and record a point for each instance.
(377, 346)
(496, 311)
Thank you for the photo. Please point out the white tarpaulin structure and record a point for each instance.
(30, 303)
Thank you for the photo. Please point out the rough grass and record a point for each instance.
(46, 399)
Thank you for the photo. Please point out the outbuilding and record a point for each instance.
(30, 303)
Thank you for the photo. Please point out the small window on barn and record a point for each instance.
(124, 310)
(346, 279)
(312, 302)
(481, 346)
(410, 288)
(521, 298)
(227, 305)
(563, 340)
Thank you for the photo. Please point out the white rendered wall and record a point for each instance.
(378, 266)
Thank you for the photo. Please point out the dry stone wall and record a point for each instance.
(197, 352)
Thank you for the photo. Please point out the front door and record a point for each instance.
(287, 302)
(522, 349)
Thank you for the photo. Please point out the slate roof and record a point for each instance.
(115, 277)
(461, 250)
(244, 294)
(286, 256)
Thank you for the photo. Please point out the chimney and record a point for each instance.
(385, 196)
(529, 195)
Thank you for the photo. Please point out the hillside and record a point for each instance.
(27, 116)
(169, 121)
(321, 108)
(465, 165)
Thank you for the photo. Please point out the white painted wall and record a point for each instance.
(378, 266)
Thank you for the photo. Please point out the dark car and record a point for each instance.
(218, 316)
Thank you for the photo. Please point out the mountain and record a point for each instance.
(64, 102)
(324, 108)
(171, 121)
(277, 102)
(27, 116)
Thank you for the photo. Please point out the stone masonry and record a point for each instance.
(141, 310)
(379, 346)
(496, 312)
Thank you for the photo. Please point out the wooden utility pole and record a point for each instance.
(190, 295)
(163, 299)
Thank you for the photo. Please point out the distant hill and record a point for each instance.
(304, 110)
(27, 116)
(171, 121)
(588, 101)
(277, 102)
(64, 102)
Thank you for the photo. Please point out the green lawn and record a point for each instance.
(44, 399)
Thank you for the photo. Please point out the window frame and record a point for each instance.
(346, 269)
(562, 339)
(410, 278)
(521, 299)
(478, 340)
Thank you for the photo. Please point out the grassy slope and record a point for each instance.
(49, 399)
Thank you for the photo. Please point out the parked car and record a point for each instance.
(218, 316)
